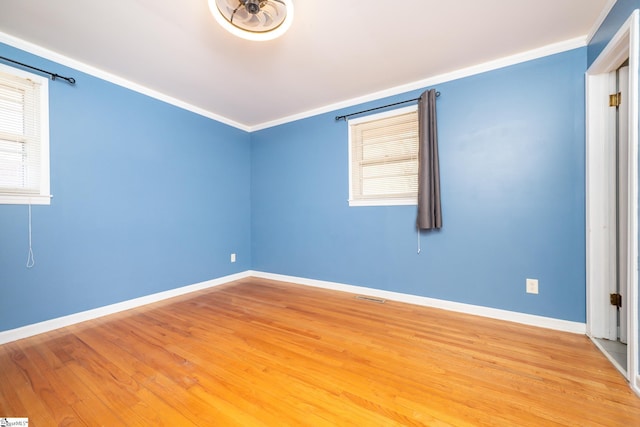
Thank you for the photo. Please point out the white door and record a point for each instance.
(625, 44)
(623, 199)
(611, 203)
(617, 207)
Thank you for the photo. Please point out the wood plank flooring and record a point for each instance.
(264, 353)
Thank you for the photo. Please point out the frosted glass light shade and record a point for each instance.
(271, 21)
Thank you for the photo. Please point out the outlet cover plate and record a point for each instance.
(532, 286)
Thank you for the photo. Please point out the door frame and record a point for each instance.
(625, 44)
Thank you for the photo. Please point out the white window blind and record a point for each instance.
(384, 158)
(24, 140)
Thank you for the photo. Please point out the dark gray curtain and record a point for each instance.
(429, 210)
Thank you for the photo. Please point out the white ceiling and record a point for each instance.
(335, 51)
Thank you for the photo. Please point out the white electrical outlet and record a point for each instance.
(233, 257)
(532, 286)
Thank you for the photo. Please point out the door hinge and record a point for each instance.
(616, 299)
(615, 99)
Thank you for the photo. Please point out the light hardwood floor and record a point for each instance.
(258, 352)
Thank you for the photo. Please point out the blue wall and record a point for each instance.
(512, 169)
(617, 16)
(147, 197)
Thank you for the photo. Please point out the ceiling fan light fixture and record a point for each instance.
(256, 20)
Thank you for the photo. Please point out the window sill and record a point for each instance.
(384, 202)
(24, 199)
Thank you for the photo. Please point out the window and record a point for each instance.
(383, 158)
(24, 137)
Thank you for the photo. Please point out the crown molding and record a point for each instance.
(112, 78)
(419, 84)
(432, 81)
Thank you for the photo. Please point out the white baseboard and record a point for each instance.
(512, 316)
(493, 313)
(60, 322)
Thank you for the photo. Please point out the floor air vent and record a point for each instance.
(371, 299)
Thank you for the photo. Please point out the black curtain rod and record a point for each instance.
(53, 76)
(338, 118)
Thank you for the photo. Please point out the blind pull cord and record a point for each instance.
(419, 249)
(30, 259)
